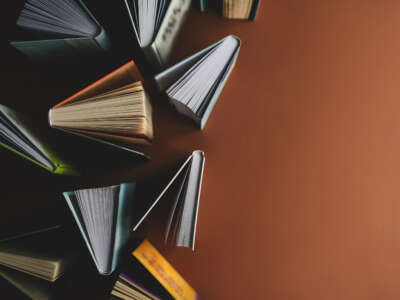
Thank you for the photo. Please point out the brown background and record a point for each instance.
(300, 195)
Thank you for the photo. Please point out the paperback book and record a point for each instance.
(180, 229)
(61, 31)
(33, 262)
(194, 84)
(156, 24)
(235, 9)
(104, 218)
(20, 135)
(114, 110)
(148, 275)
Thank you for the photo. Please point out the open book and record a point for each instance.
(194, 84)
(148, 276)
(106, 215)
(156, 24)
(114, 110)
(19, 134)
(181, 224)
(33, 262)
(103, 216)
(65, 29)
(235, 9)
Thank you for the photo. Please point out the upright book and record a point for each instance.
(65, 31)
(114, 110)
(104, 218)
(240, 9)
(194, 84)
(20, 135)
(147, 275)
(181, 223)
(235, 9)
(106, 215)
(33, 262)
(156, 24)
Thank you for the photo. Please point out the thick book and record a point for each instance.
(181, 224)
(156, 24)
(33, 262)
(62, 31)
(235, 9)
(115, 110)
(147, 275)
(194, 84)
(104, 218)
(20, 135)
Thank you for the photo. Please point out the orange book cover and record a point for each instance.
(162, 270)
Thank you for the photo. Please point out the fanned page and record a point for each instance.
(44, 255)
(147, 16)
(194, 88)
(67, 18)
(122, 111)
(115, 110)
(98, 208)
(181, 224)
(32, 287)
(16, 137)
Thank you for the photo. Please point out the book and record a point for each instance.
(33, 262)
(235, 9)
(103, 216)
(20, 135)
(115, 110)
(194, 84)
(148, 275)
(156, 24)
(60, 31)
(181, 223)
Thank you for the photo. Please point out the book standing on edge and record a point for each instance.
(235, 9)
(194, 84)
(182, 220)
(148, 275)
(19, 135)
(114, 110)
(66, 31)
(103, 216)
(33, 262)
(156, 24)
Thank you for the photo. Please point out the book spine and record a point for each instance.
(153, 57)
(25, 156)
(102, 40)
(123, 221)
(254, 10)
(170, 27)
(187, 233)
(204, 117)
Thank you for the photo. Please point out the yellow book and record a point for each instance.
(150, 276)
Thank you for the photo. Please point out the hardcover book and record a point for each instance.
(63, 31)
(149, 276)
(19, 135)
(33, 262)
(114, 110)
(180, 229)
(194, 84)
(156, 24)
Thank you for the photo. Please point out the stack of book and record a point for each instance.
(115, 111)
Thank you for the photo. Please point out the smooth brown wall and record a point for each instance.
(300, 196)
